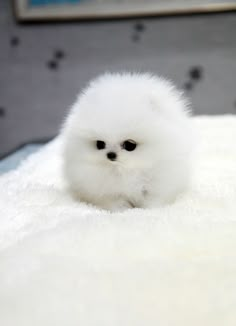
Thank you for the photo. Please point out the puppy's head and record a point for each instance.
(124, 121)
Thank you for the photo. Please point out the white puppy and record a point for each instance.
(128, 142)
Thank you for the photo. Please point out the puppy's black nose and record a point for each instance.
(111, 156)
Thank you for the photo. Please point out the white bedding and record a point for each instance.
(65, 263)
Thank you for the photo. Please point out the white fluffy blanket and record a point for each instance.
(65, 263)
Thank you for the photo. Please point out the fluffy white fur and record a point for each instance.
(66, 263)
(118, 107)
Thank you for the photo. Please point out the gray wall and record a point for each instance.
(36, 98)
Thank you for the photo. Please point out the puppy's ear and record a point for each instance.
(169, 102)
(163, 96)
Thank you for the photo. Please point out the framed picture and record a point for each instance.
(30, 10)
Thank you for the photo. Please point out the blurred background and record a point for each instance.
(48, 54)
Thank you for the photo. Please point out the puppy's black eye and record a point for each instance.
(129, 145)
(100, 144)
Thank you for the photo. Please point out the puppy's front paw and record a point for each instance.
(120, 205)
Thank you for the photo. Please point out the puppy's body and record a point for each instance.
(128, 142)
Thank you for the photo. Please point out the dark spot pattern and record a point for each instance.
(52, 64)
